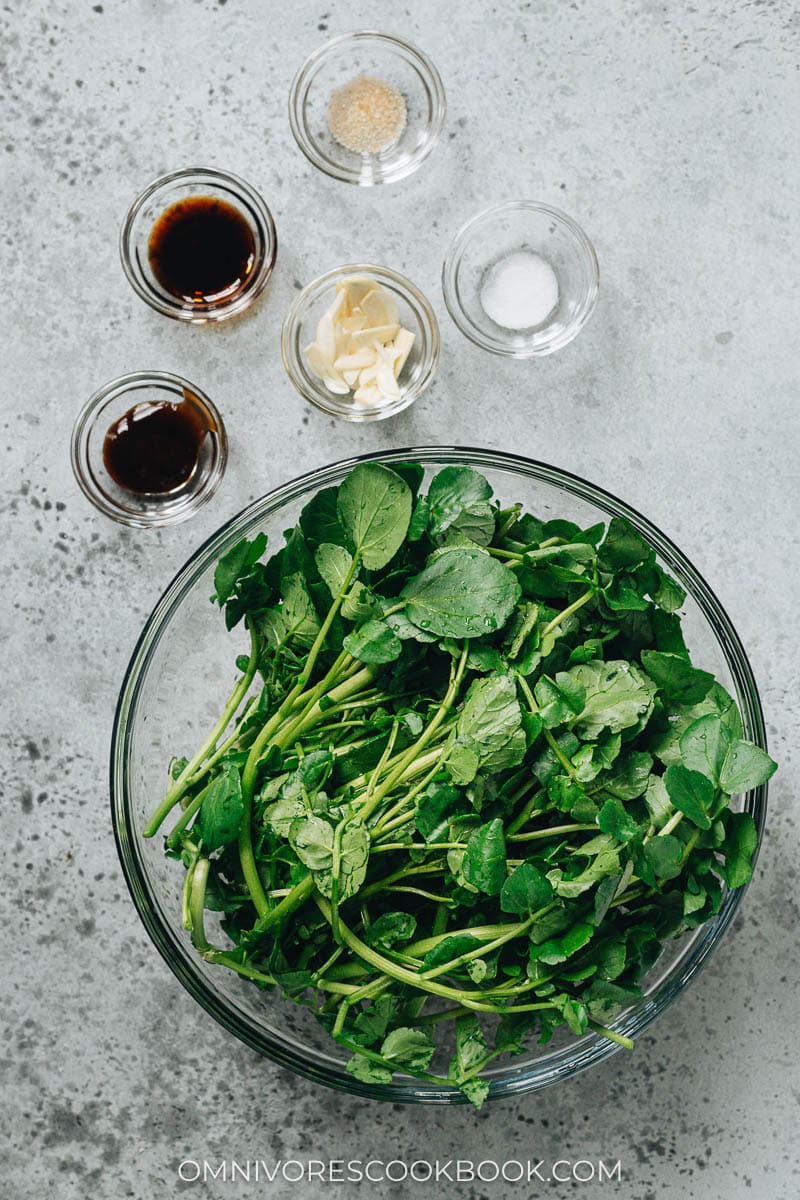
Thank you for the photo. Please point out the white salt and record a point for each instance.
(519, 291)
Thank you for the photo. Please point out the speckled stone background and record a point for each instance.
(667, 131)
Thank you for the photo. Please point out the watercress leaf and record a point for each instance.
(412, 473)
(739, 847)
(436, 808)
(614, 819)
(451, 491)
(368, 1071)
(220, 813)
(471, 1048)
(372, 1023)
(559, 699)
(746, 766)
(282, 813)
(361, 604)
(716, 702)
(177, 766)
(485, 859)
(617, 694)
(512, 1032)
(294, 622)
(476, 523)
(319, 520)
(390, 928)
(462, 763)
(669, 594)
(605, 999)
(623, 547)
(605, 863)
(405, 1047)
(334, 564)
(312, 840)
(353, 860)
(559, 949)
(462, 593)
(603, 897)
(626, 594)
(235, 564)
(449, 949)
(373, 642)
(490, 723)
(476, 1090)
(691, 793)
(574, 1013)
(656, 797)
(675, 677)
(593, 757)
(406, 630)
(314, 768)
(418, 524)
(374, 507)
(658, 859)
(628, 778)
(704, 745)
(526, 890)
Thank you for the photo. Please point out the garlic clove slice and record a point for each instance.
(379, 308)
(401, 348)
(360, 357)
(386, 380)
(356, 288)
(321, 365)
(376, 333)
(369, 395)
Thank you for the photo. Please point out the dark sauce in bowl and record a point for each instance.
(202, 250)
(154, 447)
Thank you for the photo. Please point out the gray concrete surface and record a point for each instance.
(667, 131)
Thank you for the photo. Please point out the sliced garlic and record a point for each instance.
(378, 333)
(360, 347)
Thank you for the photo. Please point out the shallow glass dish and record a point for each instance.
(184, 651)
(383, 57)
(488, 238)
(414, 312)
(186, 184)
(104, 409)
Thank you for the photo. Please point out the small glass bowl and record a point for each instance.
(104, 408)
(415, 313)
(506, 229)
(180, 185)
(382, 56)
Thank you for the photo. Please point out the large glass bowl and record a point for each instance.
(184, 663)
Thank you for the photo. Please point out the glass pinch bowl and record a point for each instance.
(378, 56)
(414, 313)
(184, 651)
(188, 184)
(506, 229)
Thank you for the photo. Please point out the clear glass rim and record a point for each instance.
(572, 1059)
(257, 208)
(84, 472)
(451, 291)
(318, 395)
(301, 84)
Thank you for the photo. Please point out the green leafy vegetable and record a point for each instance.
(462, 593)
(467, 783)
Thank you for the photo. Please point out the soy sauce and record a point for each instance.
(154, 447)
(201, 250)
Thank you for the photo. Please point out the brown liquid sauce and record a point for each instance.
(202, 250)
(154, 447)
